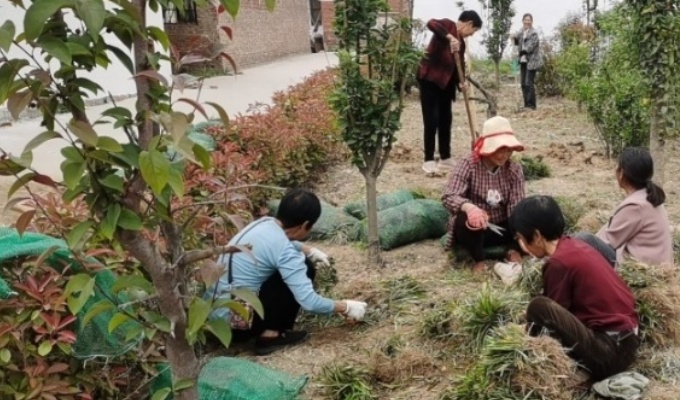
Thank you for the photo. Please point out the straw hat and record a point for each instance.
(496, 134)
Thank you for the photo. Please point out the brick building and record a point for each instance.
(258, 35)
(404, 7)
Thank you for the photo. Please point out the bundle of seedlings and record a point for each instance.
(662, 365)
(348, 382)
(438, 323)
(531, 279)
(514, 365)
(534, 167)
(657, 301)
(476, 317)
(572, 210)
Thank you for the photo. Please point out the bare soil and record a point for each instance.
(559, 134)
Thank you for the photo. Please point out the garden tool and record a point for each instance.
(466, 97)
(495, 228)
(515, 71)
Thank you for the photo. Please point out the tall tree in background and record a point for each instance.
(376, 60)
(658, 33)
(500, 21)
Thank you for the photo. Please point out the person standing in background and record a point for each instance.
(530, 60)
(438, 80)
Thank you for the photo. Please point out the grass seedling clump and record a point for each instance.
(348, 382)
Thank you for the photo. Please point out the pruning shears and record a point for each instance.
(495, 228)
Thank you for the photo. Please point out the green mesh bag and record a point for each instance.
(409, 222)
(359, 210)
(227, 378)
(93, 339)
(332, 224)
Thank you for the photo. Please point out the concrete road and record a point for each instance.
(234, 93)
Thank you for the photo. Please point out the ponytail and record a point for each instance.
(655, 195)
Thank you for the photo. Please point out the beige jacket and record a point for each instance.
(639, 230)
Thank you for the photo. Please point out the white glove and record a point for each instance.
(317, 256)
(355, 310)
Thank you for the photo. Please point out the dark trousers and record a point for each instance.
(437, 118)
(602, 354)
(528, 89)
(279, 305)
(475, 241)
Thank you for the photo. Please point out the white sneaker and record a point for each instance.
(430, 168)
(447, 164)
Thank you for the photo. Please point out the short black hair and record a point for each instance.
(528, 15)
(471, 15)
(297, 207)
(538, 213)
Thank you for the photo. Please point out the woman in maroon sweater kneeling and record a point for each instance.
(585, 304)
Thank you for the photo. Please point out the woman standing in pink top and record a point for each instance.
(639, 228)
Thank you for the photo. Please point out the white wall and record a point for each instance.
(116, 79)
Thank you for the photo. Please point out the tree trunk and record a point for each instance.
(497, 64)
(372, 215)
(657, 141)
(181, 355)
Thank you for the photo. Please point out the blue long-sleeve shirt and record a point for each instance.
(271, 251)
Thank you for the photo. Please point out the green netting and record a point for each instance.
(460, 254)
(227, 378)
(93, 340)
(332, 224)
(358, 209)
(408, 223)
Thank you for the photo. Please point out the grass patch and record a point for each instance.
(657, 301)
(437, 324)
(663, 366)
(534, 168)
(402, 291)
(348, 382)
(572, 211)
(531, 279)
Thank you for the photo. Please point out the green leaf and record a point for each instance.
(37, 14)
(45, 348)
(77, 49)
(123, 57)
(83, 284)
(270, 4)
(116, 321)
(5, 356)
(96, 309)
(250, 298)
(74, 237)
(40, 139)
(198, 314)
(118, 112)
(132, 281)
(221, 329)
(20, 182)
(129, 220)
(161, 394)
(231, 6)
(57, 49)
(84, 132)
(155, 170)
(7, 32)
(179, 123)
(159, 35)
(183, 384)
(93, 13)
(114, 182)
(72, 172)
(202, 155)
(222, 113)
(108, 225)
(18, 102)
(176, 182)
(72, 154)
(109, 144)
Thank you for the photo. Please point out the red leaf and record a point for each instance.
(228, 31)
(45, 180)
(220, 9)
(228, 58)
(195, 105)
(23, 221)
(67, 337)
(151, 74)
(66, 321)
(56, 368)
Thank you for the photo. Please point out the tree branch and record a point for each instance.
(193, 256)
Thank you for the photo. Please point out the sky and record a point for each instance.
(547, 13)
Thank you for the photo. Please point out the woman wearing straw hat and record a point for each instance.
(482, 192)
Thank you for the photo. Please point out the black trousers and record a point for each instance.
(437, 117)
(528, 90)
(279, 305)
(475, 241)
(602, 354)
